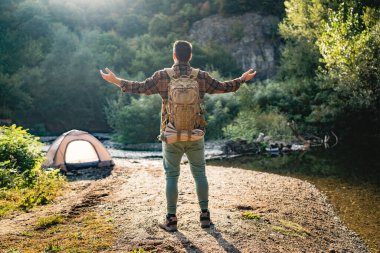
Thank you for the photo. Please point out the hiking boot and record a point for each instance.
(205, 219)
(170, 223)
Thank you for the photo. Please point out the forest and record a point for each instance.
(51, 53)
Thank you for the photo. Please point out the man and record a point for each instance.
(176, 140)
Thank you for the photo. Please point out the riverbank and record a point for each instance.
(288, 214)
(356, 201)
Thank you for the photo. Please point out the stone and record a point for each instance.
(251, 39)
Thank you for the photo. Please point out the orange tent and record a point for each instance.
(77, 149)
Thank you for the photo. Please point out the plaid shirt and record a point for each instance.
(158, 84)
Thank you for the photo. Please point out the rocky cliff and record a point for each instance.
(252, 39)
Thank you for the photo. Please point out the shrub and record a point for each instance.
(137, 122)
(48, 185)
(23, 183)
(248, 124)
(8, 175)
(20, 152)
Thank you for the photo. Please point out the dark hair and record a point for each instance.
(182, 50)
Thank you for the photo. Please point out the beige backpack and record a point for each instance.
(183, 106)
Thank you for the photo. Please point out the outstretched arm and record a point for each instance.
(111, 77)
(147, 87)
(248, 75)
(214, 86)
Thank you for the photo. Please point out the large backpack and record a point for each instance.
(184, 103)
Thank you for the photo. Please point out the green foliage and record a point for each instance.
(351, 59)
(132, 25)
(299, 59)
(53, 248)
(45, 187)
(249, 123)
(237, 30)
(159, 25)
(236, 7)
(20, 153)
(52, 52)
(48, 221)
(139, 250)
(9, 175)
(220, 111)
(23, 183)
(49, 79)
(300, 28)
(329, 73)
(250, 216)
(137, 122)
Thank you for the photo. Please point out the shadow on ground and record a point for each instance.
(227, 246)
(88, 173)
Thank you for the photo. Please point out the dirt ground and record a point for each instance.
(293, 216)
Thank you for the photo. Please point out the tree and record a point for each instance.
(137, 122)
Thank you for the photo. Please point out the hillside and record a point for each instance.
(251, 39)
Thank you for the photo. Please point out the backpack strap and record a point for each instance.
(194, 73)
(171, 73)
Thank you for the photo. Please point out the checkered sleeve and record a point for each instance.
(213, 86)
(147, 87)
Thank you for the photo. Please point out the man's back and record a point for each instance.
(158, 83)
(193, 145)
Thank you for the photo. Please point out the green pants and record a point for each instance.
(172, 154)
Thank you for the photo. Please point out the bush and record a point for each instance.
(137, 122)
(248, 124)
(23, 183)
(20, 154)
(17, 145)
(220, 111)
(9, 177)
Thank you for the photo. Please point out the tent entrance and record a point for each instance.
(80, 153)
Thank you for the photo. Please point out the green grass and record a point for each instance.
(87, 232)
(49, 186)
(292, 229)
(12, 250)
(140, 250)
(250, 216)
(49, 221)
(53, 248)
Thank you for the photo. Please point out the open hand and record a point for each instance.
(248, 75)
(110, 77)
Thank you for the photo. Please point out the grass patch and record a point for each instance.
(250, 216)
(140, 250)
(292, 229)
(49, 186)
(49, 221)
(88, 232)
(51, 248)
(12, 250)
